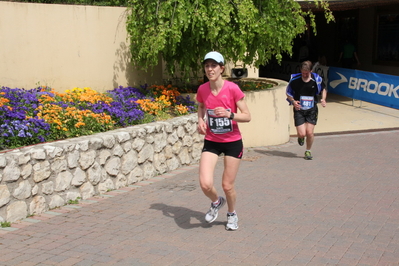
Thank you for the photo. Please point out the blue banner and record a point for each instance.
(371, 87)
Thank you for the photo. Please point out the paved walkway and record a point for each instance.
(342, 114)
(342, 208)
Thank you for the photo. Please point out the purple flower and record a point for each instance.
(186, 101)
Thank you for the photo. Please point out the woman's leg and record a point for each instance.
(206, 171)
(231, 165)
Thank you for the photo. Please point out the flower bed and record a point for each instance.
(41, 114)
(254, 84)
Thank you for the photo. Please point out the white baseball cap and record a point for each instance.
(214, 56)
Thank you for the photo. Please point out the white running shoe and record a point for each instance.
(232, 222)
(212, 214)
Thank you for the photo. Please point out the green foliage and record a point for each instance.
(5, 224)
(255, 86)
(75, 201)
(183, 31)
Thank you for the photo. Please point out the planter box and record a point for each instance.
(270, 123)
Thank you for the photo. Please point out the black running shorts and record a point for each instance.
(309, 116)
(234, 149)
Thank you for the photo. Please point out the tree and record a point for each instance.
(182, 31)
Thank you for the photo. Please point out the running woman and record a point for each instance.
(218, 101)
(302, 91)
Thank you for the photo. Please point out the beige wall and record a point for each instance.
(66, 46)
(270, 117)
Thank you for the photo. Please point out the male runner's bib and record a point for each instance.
(218, 125)
(307, 102)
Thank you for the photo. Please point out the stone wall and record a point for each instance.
(41, 177)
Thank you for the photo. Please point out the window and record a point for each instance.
(386, 50)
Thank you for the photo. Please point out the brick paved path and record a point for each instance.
(342, 208)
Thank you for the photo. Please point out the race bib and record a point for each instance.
(307, 102)
(219, 125)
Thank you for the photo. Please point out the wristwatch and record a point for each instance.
(231, 115)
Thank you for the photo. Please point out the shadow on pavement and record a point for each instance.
(279, 153)
(183, 216)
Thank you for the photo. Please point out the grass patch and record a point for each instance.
(75, 201)
(5, 224)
